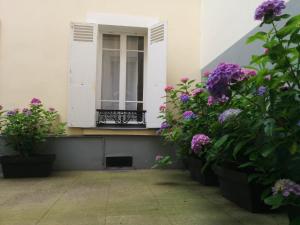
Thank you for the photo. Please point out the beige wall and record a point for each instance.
(34, 44)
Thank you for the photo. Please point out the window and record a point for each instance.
(117, 73)
(122, 73)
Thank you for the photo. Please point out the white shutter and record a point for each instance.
(156, 73)
(82, 87)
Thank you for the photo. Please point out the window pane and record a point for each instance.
(134, 76)
(110, 75)
(111, 41)
(135, 43)
(110, 105)
(134, 106)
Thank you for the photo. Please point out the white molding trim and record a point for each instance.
(120, 20)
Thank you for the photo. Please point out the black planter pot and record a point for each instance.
(235, 187)
(33, 166)
(294, 214)
(207, 177)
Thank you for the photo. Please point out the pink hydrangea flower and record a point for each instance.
(268, 77)
(162, 108)
(159, 157)
(184, 79)
(169, 88)
(266, 51)
(210, 100)
(206, 73)
(35, 102)
(197, 91)
(51, 109)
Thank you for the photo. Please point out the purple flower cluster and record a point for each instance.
(36, 102)
(12, 112)
(261, 90)
(184, 98)
(164, 125)
(188, 115)
(27, 112)
(220, 79)
(228, 114)
(286, 187)
(270, 8)
(198, 141)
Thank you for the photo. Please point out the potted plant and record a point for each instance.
(23, 131)
(286, 193)
(188, 115)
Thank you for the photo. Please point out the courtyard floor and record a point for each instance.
(140, 197)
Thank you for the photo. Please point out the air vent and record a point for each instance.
(83, 33)
(157, 34)
(118, 161)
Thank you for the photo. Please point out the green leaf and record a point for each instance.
(269, 127)
(238, 147)
(294, 148)
(267, 151)
(258, 36)
(221, 141)
(275, 201)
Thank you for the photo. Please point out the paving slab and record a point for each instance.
(133, 197)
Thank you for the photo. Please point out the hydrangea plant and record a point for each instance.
(23, 129)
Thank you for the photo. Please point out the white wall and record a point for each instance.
(224, 22)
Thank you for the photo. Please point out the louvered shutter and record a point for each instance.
(82, 86)
(156, 73)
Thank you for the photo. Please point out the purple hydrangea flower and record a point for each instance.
(26, 112)
(164, 125)
(270, 8)
(188, 115)
(261, 90)
(198, 141)
(286, 187)
(220, 79)
(284, 87)
(197, 91)
(35, 102)
(11, 113)
(184, 98)
(228, 114)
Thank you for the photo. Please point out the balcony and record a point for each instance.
(121, 118)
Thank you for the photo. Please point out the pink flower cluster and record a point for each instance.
(169, 88)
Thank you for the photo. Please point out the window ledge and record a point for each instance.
(119, 131)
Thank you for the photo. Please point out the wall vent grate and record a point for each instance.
(83, 33)
(157, 34)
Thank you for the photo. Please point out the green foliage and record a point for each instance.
(23, 130)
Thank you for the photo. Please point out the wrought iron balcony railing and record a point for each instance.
(121, 118)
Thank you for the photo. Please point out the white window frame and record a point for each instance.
(123, 57)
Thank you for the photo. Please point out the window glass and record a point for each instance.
(111, 41)
(135, 43)
(134, 76)
(110, 72)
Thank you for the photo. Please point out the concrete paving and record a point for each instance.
(141, 197)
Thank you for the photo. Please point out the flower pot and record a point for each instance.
(207, 177)
(235, 187)
(32, 166)
(294, 214)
